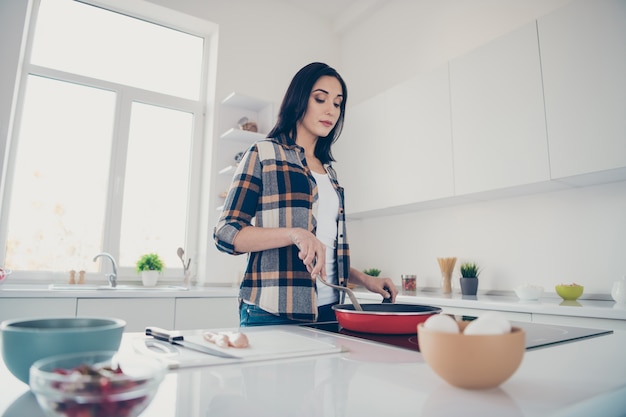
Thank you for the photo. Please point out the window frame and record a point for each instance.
(126, 95)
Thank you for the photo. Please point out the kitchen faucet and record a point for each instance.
(113, 275)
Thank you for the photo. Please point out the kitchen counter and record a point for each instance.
(43, 291)
(599, 309)
(602, 309)
(582, 378)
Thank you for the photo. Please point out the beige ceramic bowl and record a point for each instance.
(472, 361)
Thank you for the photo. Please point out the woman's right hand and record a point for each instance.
(312, 251)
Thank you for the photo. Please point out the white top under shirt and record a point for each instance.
(327, 216)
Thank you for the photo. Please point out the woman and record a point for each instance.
(286, 184)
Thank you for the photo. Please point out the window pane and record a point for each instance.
(135, 53)
(62, 165)
(156, 183)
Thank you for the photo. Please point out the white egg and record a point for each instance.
(489, 323)
(499, 318)
(441, 323)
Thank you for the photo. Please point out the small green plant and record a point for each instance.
(149, 262)
(469, 270)
(372, 271)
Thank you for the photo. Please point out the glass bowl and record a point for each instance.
(96, 384)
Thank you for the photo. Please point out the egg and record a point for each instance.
(441, 323)
(489, 323)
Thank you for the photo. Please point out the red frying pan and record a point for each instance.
(385, 318)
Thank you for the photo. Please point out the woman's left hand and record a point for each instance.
(380, 285)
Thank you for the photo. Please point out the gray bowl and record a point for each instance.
(25, 341)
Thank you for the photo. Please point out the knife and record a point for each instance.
(179, 340)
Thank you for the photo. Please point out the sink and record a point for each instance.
(120, 287)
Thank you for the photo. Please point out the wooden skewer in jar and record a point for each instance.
(447, 266)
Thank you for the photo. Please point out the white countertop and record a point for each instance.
(582, 378)
(602, 309)
(546, 305)
(78, 291)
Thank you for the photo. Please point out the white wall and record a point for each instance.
(575, 235)
(261, 46)
(578, 235)
(12, 17)
(566, 236)
(262, 43)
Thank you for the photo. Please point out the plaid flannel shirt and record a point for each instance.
(274, 187)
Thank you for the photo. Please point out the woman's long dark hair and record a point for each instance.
(295, 103)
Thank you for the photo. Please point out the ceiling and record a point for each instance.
(340, 13)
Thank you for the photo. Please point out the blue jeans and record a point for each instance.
(252, 315)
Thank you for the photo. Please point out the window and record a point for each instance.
(108, 138)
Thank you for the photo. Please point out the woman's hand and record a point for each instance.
(312, 251)
(383, 286)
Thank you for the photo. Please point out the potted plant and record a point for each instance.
(372, 271)
(149, 265)
(469, 278)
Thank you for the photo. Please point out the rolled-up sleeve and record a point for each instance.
(241, 202)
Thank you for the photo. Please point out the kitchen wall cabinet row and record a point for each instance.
(168, 313)
(540, 108)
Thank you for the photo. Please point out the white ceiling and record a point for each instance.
(340, 13)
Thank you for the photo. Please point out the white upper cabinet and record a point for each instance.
(362, 157)
(498, 119)
(395, 149)
(583, 56)
(420, 137)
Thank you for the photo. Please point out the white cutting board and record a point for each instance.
(267, 345)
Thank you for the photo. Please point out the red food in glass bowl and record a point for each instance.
(96, 384)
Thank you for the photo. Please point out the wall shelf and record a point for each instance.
(240, 135)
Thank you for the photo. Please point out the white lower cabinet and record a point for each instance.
(138, 312)
(206, 313)
(589, 322)
(13, 308)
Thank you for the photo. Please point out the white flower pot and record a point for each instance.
(149, 278)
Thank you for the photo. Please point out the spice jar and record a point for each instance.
(409, 283)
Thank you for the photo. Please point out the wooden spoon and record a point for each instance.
(347, 290)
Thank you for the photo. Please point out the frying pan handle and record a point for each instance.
(387, 300)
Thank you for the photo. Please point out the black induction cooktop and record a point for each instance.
(537, 335)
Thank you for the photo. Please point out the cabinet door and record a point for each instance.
(498, 119)
(138, 312)
(206, 313)
(583, 57)
(418, 134)
(362, 154)
(395, 149)
(13, 308)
